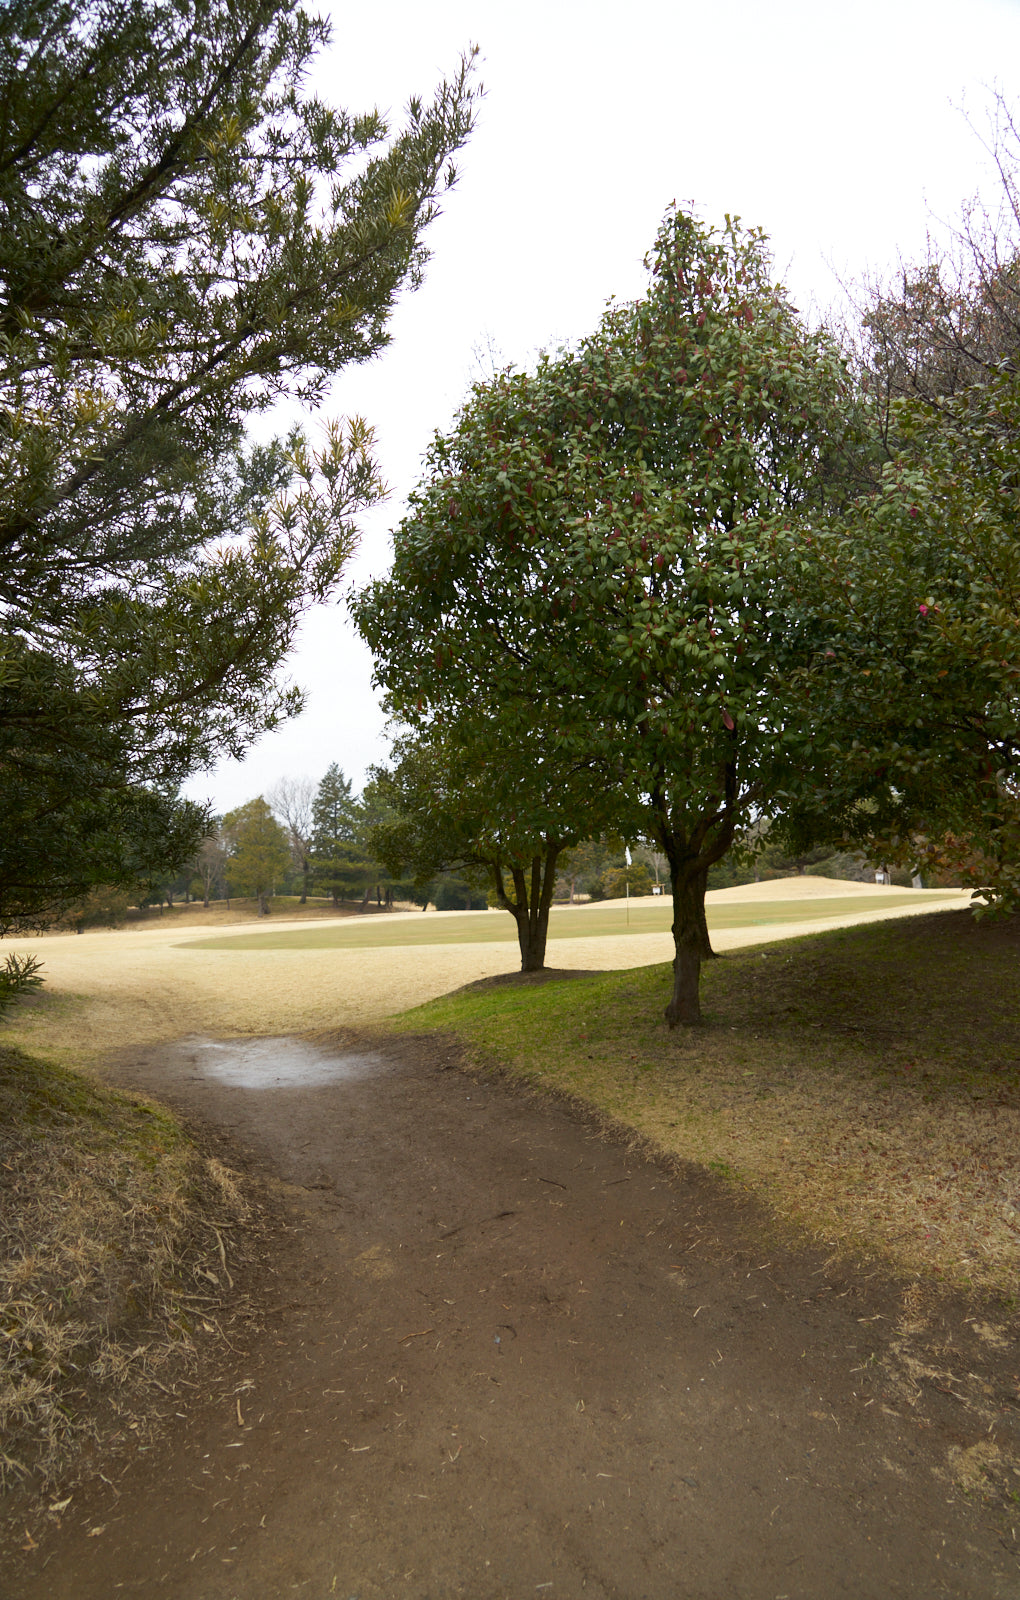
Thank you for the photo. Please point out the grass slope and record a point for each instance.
(222, 913)
(866, 1082)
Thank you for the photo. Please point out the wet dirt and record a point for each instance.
(505, 1355)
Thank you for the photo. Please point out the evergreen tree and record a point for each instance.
(456, 808)
(187, 235)
(599, 575)
(260, 852)
(339, 865)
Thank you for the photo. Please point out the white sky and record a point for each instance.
(836, 127)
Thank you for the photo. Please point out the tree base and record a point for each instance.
(684, 1009)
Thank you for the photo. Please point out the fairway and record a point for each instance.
(611, 919)
(109, 990)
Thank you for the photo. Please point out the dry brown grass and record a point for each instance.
(113, 1262)
(221, 914)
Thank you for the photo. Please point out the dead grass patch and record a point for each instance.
(974, 1467)
(114, 1263)
(865, 1082)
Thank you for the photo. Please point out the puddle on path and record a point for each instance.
(278, 1063)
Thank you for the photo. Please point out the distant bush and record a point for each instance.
(614, 882)
(104, 907)
(453, 894)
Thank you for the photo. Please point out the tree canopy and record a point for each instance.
(602, 564)
(917, 586)
(187, 235)
(259, 853)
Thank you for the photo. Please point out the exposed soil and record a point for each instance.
(526, 980)
(504, 1355)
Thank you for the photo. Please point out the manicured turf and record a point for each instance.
(481, 927)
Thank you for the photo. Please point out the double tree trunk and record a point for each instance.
(530, 904)
(693, 837)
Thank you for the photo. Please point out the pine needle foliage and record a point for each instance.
(187, 237)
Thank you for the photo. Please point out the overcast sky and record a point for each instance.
(838, 128)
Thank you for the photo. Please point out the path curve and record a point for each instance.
(505, 1357)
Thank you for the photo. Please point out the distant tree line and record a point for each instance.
(302, 839)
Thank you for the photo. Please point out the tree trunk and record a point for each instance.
(531, 905)
(691, 943)
(305, 870)
(531, 934)
(263, 899)
(701, 887)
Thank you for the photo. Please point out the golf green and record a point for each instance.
(611, 921)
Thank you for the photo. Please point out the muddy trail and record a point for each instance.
(505, 1356)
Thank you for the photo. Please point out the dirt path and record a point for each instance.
(504, 1357)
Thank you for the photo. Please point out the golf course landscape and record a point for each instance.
(157, 981)
(435, 559)
(266, 1147)
(851, 1073)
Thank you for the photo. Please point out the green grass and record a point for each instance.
(37, 1096)
(650, 915)
(864, 1082)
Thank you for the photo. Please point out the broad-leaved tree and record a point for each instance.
(601, 565)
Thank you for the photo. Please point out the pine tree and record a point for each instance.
(339, 865)
(187, 235)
